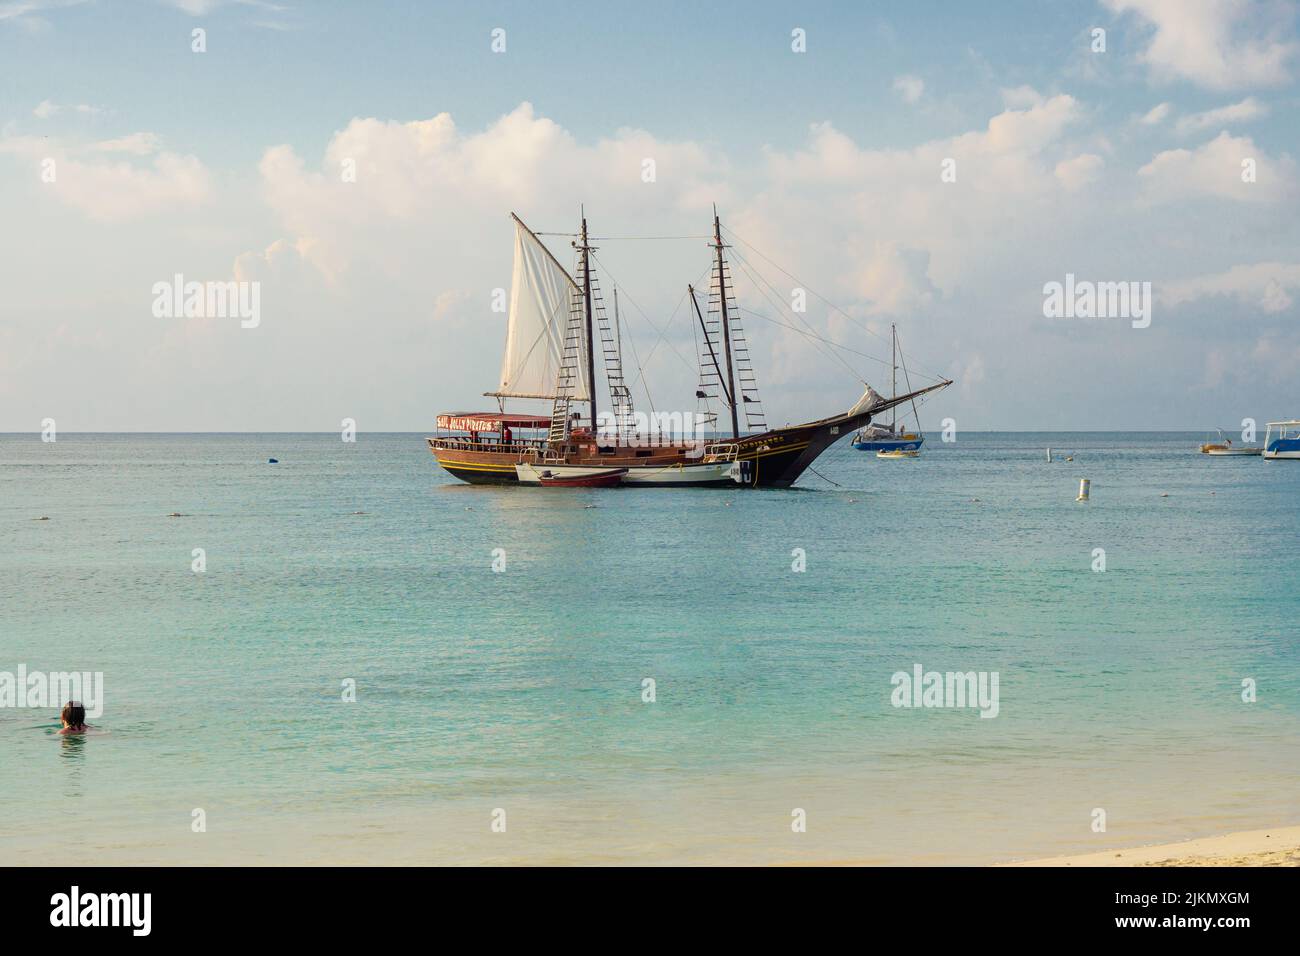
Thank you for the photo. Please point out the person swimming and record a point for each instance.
(74, 719)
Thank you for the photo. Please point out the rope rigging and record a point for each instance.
(774, 299)
(825, 346)
(818, 295)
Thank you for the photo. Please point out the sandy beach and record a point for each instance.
(1279, 846)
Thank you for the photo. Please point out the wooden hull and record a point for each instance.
(477, 467)
(481, 467)
(773, 459)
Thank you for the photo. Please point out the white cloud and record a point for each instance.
(1267, 286)
(411, 174)
(280, 259)
(195, 8)
(968, 371)
(890, 238)
(897, 215)
(1079, 171)
(116, 190)
(1021, 97)
(48, 108)
(112, 192)
(1156, 115)
(26, 14)
(265, 11)
(1243, 112)
(1217, 44)
(909, 88)
(136, 144)
(1215, 169)
(894, 279)
(1029, 129)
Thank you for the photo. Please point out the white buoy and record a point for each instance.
(1084, 484)
(1049, 454)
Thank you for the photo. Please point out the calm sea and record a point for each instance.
(523, 690)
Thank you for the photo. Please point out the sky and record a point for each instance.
(930, 165)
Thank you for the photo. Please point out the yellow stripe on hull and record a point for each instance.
(477, 466)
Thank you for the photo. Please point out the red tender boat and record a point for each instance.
(598, 479)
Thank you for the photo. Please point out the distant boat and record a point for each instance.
(881, 437)
(1287, 442)
(884, 437)
(273, 461)
(898, 453)
(1224, 447)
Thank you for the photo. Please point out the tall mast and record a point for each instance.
(726, 324)
(893, 373)
(586, 296)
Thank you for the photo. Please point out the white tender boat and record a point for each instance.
(717, 466)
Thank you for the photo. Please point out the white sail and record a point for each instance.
(869, 400)
(541, 295)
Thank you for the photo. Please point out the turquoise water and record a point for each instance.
(522, 690)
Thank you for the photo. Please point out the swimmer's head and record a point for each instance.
(74, 714)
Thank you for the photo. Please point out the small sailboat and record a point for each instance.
(1224, 447)
(882, 438)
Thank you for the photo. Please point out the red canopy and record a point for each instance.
(489, 421)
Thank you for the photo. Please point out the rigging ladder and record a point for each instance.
(572, 363)
(747, 398)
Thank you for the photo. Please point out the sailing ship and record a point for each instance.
(556, 326)
(888, 441)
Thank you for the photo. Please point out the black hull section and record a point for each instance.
(475, 477)
(777, 458)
